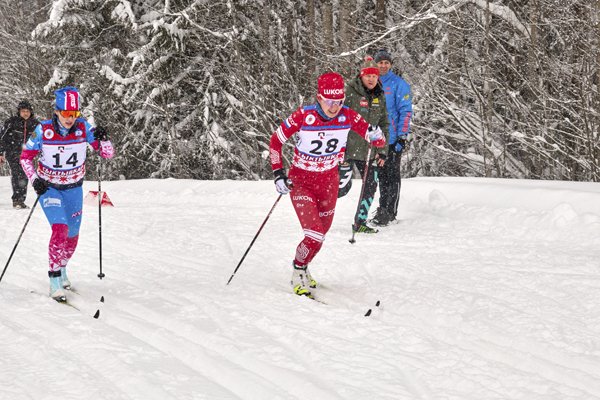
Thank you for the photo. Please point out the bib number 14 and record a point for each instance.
(71, 160)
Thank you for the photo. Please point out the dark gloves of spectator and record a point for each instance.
(400, 144)
(380, 159)
(40, 186)
(101, 134)
(282, 184)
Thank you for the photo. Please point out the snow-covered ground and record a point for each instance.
(489, 289)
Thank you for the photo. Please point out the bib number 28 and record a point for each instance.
(330, 146)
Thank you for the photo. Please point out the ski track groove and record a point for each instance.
(210, 353)
(355, 311)
(54, 351)
(144, 332)
(338, 342)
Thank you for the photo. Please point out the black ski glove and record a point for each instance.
(40, 186)
(101, 134)
(400, 144)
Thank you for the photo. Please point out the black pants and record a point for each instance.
(18, 179)
(362, 212)
(389, 188)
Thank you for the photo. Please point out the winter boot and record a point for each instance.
(19, 205)
(382, 218)
(301, 282)
(64, 279)
(56, 290)
(363, 228)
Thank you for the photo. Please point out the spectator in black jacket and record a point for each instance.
(15, 132)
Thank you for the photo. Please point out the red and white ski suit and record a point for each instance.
(320, 147)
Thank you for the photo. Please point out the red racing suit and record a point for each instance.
(320, 147)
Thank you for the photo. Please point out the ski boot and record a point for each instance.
(301, 281)
(56, 290)
(64, 279)
(363, 228)
(311, 281)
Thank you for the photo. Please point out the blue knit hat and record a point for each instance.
(67, 98)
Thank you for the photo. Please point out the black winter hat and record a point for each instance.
(24, 104)
(381, 55)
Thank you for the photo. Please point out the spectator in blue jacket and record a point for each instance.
(399, 107)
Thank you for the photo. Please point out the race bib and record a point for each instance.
(320, 150)
(321, 144)
(64, 156)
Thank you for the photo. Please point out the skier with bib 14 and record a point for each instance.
(321, 131)
(61, 144)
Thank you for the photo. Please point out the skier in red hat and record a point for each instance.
(321, 131)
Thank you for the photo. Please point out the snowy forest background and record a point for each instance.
(193, 89)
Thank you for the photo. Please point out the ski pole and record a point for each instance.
(362, 189)
(19, 239)
(255, 236)
(101, 274)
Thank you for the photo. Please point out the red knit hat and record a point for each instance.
(369, 67)
(331, 86)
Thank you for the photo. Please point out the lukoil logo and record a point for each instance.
(333, 91)
(302, 198)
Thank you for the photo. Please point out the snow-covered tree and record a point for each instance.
(192, 88)
(23, 69)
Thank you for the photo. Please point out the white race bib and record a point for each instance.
(63, 157)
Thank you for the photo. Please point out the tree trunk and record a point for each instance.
(487, 91)
(380, 13)
(327, 15)
(311, 65)
(532, 61)
(347, 33)
(289, 45)
(455, 54)
(594, 139)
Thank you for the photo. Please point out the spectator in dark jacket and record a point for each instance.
(15, 132)
(365, 95)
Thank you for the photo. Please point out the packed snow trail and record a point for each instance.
(489, 289)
